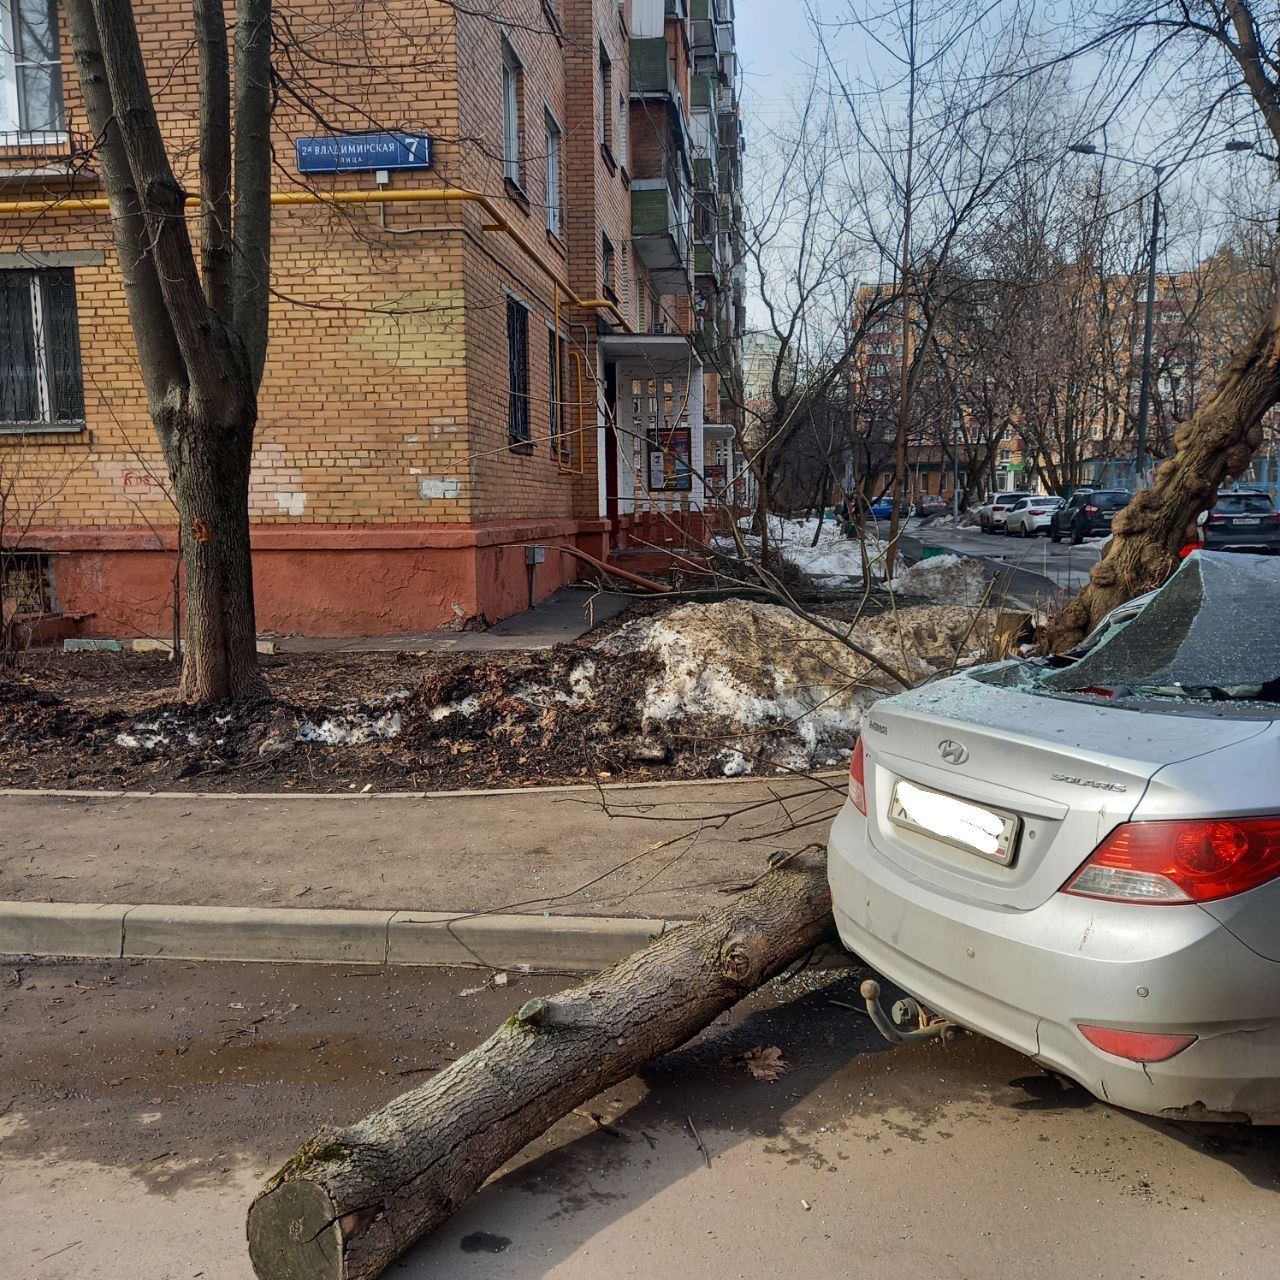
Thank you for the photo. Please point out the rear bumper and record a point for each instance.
(1028, 978)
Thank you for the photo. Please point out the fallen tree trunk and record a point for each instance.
(351, 1201)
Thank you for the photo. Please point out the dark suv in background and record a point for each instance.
(1242, 520)
(1087, 514)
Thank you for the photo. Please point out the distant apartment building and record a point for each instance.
(535, 356)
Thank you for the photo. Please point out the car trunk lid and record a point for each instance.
(1067, 771)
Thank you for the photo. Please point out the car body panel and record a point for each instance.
(1027, 979)
(1001, 949)
(1067, 799)
(1247, 787)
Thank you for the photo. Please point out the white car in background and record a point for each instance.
(1029, 517)
(992, 513)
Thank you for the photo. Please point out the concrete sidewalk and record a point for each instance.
(664, 855)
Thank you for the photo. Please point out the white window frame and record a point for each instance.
(10, 112)
(555, 174)
(512, 121)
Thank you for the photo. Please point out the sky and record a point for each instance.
(773, 46)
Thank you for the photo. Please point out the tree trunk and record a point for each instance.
(1217, 442)
(210, 472)
(349, 1203)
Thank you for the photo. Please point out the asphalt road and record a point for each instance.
(141, 1105)
(1026, 559)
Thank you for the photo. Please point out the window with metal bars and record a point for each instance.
(517, 373)
(41, 385)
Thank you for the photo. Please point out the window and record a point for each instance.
(606, 100)
(609, 267)
(555, 198)
(624, 138)
(30, 67)
(26, 583)
(555, 363)
(512, 93)
(40, 378)
(517, 373)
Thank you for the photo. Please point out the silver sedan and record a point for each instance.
(1080, 857)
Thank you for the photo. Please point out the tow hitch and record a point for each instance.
(906, 1021)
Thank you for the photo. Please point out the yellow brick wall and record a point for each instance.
(384, 399)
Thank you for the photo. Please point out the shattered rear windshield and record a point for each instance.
(1207, 636)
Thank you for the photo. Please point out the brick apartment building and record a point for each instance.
(450, 380)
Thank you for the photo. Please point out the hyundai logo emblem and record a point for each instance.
(952, 751)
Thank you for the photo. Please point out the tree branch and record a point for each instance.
(158, 354)
(215, 154)
(251, 282)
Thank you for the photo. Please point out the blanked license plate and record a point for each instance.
(1239, 520)
(990, 833)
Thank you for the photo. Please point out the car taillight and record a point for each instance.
(1137, 1046)
(1091, 511)
(857, 779)
(1181, 861)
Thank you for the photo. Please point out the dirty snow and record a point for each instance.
(944, 580)
(778, 689)
(350, 730)
(467, 706)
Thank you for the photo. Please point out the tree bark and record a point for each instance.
(350, 1202)
(210, 469)
(1219, 441)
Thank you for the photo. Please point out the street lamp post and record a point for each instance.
(955, 469)
(1160, 171)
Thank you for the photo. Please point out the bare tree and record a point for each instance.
(201, 331)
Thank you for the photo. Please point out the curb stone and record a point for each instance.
(550, 944)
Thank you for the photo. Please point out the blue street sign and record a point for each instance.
(362, 152)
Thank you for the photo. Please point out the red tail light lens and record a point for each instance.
(1183, 861)
(857, 779)
(1137, 1046)
(1091, 511)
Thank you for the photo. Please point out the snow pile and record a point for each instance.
(773, 688)
(944, 580)
(834, 556)
(351, 730)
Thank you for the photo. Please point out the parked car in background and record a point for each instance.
(1079, 855)
(931, 504)
(1029, 517)
(1243, 520)
(992, 513)
(882, 508)
(1087, 514)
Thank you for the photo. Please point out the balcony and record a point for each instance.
(660, 232)
(708, 16)
(652, 83)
